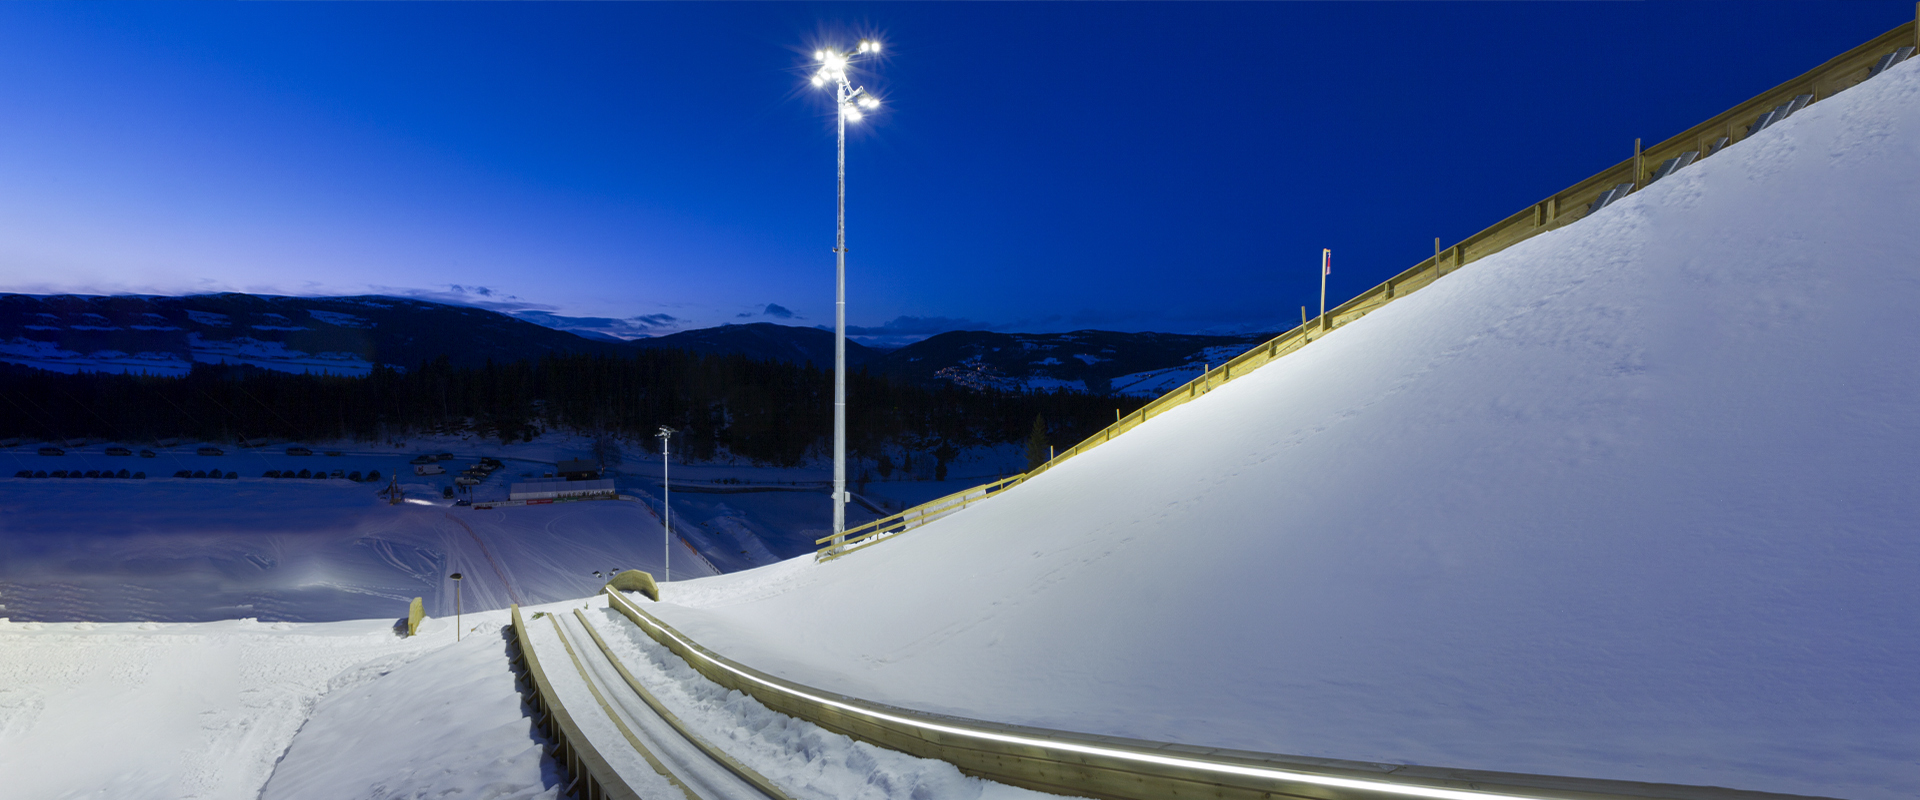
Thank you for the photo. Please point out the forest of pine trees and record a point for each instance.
(767, 411)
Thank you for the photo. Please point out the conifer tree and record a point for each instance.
(1037, 443)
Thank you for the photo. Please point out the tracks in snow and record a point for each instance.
(650, 752)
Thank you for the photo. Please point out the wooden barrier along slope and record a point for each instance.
(1558, 210)
(1115, 768)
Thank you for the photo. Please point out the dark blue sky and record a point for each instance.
(1127, 166)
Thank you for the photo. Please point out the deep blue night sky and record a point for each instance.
(1126, 166)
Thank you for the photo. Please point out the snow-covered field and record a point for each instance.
(1634, 500)
(204, 710)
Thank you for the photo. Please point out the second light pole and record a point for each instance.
(850, 99)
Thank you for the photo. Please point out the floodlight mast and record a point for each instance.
(666, 507)
(849, 100)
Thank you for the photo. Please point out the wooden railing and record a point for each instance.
(1563, 208)
(885, 527)
(1114, 768)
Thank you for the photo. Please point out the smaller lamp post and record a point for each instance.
(456, 605)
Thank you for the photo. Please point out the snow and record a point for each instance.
(51, 356)
(800, 757)
(1629, 500)
(298, 550)
(450, 723)
(275, 355)
(338, 318)
(158, 710)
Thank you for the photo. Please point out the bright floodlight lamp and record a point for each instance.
(849, 99)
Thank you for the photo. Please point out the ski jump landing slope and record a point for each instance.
(1636, 499)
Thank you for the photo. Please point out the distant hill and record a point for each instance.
(332, 335)
(349, 335)
(764, 341)
(1101, 362)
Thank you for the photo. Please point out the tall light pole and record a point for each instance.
(850, 100)
(666, 507)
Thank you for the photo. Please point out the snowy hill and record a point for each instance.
(1633, 499)
(763, 341)
(331, 335)
(1139, 364)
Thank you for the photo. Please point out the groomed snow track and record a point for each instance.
(608, 728)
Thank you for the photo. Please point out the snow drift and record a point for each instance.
(1634, 499)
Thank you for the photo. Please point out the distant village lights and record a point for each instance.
(850, 100)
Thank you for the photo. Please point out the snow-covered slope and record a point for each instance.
(1635, 499)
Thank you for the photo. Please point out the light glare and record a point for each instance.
(819, 80)
(870, 101)
(820, 55)
(853, 114)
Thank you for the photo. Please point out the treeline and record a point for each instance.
(767, 411)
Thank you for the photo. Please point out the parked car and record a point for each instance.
(25, 473)
(429, 469)
(93, 473)
(374, 475)
(59, 473)
(231, 475)
(183, 473)
(444, 456)
(299, 451)
(119, 451)
(211, 451)
(338, 473)
(421, 459)
(139, 476)
(354, 476)
(198, 473)
(74, 474)
(52, 451)
(306, 473)
(149, 454)
(335, 453)
(272, 473)
(463, 502)
(120, 474)
(39, 473)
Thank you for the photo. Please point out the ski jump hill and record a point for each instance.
(1634, 498)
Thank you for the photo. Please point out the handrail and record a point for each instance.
(1117, 768)
(1560, 209)
(869, 533)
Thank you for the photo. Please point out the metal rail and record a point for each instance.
(1115, 768)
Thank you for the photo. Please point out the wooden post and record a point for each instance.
(1636, 164)
(1436, 258)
